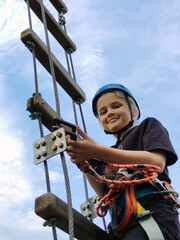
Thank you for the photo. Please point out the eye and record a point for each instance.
(102, 112)
(117, 105)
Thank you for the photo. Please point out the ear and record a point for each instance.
(135, 113)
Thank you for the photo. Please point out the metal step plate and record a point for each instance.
(49, 145)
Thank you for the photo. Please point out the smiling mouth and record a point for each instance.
(112, 120)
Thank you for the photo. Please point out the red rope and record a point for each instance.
(150, 173)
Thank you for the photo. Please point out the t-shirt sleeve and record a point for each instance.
(156, 137)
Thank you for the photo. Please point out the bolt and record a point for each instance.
(69, 50)
(38, 156)
(60, 145)
(79, 101)
(43, 153)
(52, 137)
(89, 214)
(54, 147)
(37, 145)
(43, 143)
(59, 134)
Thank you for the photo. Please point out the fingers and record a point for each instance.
(81, 133)
(69, 140)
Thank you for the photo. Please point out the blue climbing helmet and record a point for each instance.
(111, 88)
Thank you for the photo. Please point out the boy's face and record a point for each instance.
(113, 112)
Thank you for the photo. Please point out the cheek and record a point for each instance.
(101, 120)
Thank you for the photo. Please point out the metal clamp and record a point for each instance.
(30, 45)
(50, 222)
(88, 208)
(35, 115)
(62, 20)
(49, 146)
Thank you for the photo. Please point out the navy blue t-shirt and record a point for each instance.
(150, 135)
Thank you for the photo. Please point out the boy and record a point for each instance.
(147, 143)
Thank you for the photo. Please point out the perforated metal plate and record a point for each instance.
(88, 209)
(49, 146)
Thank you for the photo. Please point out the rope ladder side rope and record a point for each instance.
(37, 115)
(66, 177)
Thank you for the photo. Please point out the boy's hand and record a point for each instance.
(81, 150)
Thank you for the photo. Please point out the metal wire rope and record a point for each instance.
(39, 117)
(68, 191)
(82, 116)
(50, 58)
(36, 91)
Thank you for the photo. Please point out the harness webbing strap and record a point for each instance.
(129, 215)
(151, 228)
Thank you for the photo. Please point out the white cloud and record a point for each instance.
(13, 18)
(148, 43)
(25, 225)
(13, 183)
(56, 177)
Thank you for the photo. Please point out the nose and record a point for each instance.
(110, 112)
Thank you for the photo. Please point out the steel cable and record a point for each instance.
(68, 191)
(37, 91)
(50, 58)
(39, 117)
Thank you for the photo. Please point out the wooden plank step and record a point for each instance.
(59, 5)
(38, 104)
(53, 26)
(62, 76)
(50, 206)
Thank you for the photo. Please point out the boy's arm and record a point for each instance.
(88, 149)
(97, 186)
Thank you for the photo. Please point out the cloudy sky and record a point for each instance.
(133, 42)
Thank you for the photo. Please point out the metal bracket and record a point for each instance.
(62, 20)
(88, 208)
(30, 45)
(50, 223)
(35, 115)
(49, 145)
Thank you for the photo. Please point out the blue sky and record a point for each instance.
(136, 43)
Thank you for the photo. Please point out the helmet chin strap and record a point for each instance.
(121, 130)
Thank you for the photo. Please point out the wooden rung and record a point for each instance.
(62, 76)
(50, 206)
(59, 5)
(38, 104)
(53, 26)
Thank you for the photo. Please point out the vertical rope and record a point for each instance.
(29, 14)
(33, 50)
(74, 109)
(50, 58)
(39, 118)
(70, 212)
(36, 91)
(85, 130)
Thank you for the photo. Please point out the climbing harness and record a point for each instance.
(121, 199)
